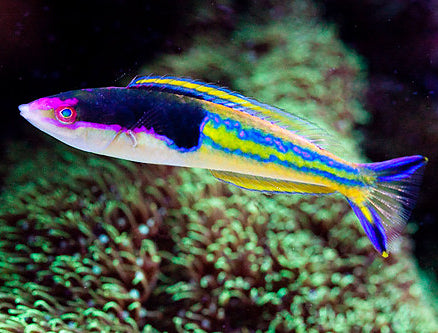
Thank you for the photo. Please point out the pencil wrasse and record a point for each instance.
(175, 121)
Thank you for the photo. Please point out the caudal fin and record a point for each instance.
(387, 203)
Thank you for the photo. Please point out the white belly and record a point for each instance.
(145, 148)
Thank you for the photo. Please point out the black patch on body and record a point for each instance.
(175, 117)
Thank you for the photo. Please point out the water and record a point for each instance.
(214, 258)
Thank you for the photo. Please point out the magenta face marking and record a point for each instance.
(82, 124)
(48, 103)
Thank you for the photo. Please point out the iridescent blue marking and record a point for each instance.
(178, 89)
(274, 159)
(268, 140)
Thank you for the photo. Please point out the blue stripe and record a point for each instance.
(174, 88)
(373, 229)
(397, 169)
(281, 146)
(274, 159)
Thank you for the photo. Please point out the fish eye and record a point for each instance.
(65, 114)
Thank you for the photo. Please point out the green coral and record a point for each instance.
(97, 244)
(74, 255)
(282, 263)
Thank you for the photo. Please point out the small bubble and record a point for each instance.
(97, 270)
(205, 323)
(144, 229)
(150, 222)
(104, 239)
(139, 276)
(121, 222)
(134, 293)
(143, 312)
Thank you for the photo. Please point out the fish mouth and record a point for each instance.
(24, 110)
(27, 114)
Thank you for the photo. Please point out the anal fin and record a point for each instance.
(270, 185)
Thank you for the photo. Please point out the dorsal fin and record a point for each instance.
(222, 96)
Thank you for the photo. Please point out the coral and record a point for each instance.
(75, 255)
(281, 263)
(96, 244)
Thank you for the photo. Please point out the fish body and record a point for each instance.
(255, 146)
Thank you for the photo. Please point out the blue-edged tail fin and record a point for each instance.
(387, 202)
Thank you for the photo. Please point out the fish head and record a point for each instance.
(66, 117)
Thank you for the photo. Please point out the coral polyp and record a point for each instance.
(75, 248)
(92, 244)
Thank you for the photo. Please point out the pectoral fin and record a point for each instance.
(269, 185)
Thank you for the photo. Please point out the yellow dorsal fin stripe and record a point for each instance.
(218, 95)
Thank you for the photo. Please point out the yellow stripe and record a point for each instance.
(211, 91)
(268, 184)
(366, 212)
(229, 140)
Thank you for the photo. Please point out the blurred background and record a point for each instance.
(51, 46)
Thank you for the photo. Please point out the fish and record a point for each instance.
(243, 142)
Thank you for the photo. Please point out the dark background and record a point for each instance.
(51, 46)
